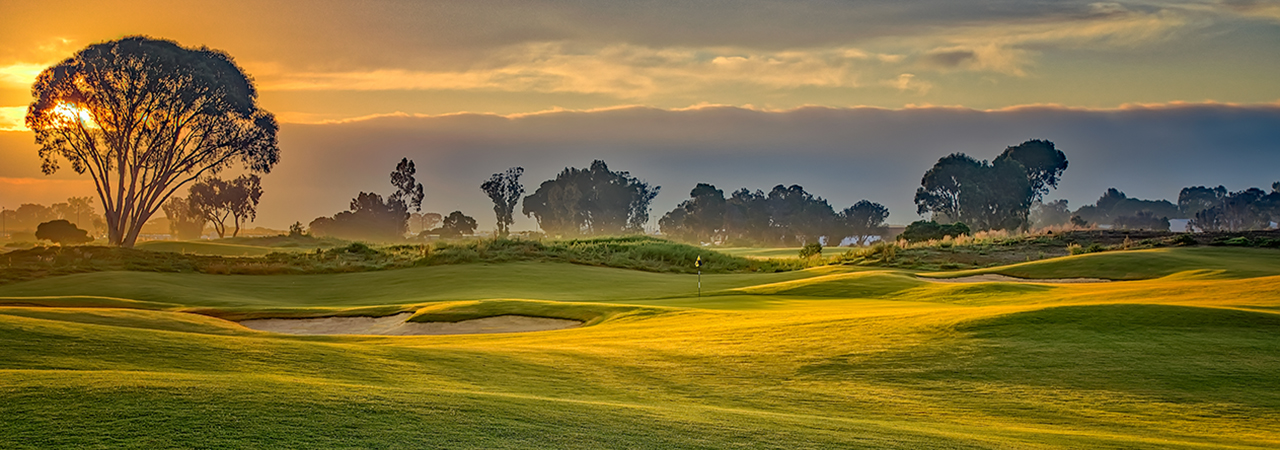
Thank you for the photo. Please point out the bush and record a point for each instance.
(1182, 240)
(810, 250)
(926, 230)
(62, 232)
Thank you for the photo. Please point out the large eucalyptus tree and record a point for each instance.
(143, 117)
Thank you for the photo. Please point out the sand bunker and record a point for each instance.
(1007, 279)
(396, 325)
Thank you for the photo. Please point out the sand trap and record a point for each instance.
(396, 325)
(1007, 279)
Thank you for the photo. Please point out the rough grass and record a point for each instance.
(831, 357)
(281, 257)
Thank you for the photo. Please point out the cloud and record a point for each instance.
(20, 74)
(620, 70)
(13, 118)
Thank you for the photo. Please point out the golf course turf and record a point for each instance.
(1183, 351)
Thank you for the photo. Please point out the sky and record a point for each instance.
(851, 99)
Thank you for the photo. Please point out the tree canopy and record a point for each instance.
(1043, 163)
(786, 215)
(145, 117)
(505, 190)
(372, 218)
(982, 195)
(186, 220)
(218, 201)
(456, 225)
(591, 201)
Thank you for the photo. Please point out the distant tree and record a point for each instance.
(220, 200)
(1049, 214)
(1192, 200)
(372, 218)
(505, 190)
(1043, 163)
(29, 215)
(297, 230)
(408, 189)
(145, 117)
(79, 211)
(699, 219)
(455, 225)
(186, 220)
(1114, 204)
(1237, 211)
(590, 201)
(864, 220)
(62, 232)
(798, 217)
(1079, 222)
(420, 222)
(746, 219)
(1143, 220)
(984, 195)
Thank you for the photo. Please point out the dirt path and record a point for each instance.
(396, 325)
(988, 277)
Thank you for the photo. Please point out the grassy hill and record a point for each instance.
(828, 357)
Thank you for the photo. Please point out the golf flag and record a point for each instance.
(698, 263)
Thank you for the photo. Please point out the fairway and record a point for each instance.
(1182, 353)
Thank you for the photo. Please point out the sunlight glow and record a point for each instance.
(68, 114)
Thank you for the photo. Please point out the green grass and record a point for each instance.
(829, 357)
(214, 248)
(1144, 264)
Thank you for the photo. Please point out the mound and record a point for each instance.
(995, 277)
(396, 325)
(842, 285)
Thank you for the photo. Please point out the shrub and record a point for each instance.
(1182, 240)
(926, 230)
(62, 232)
(810, 250)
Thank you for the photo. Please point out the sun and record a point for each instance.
(69, 113)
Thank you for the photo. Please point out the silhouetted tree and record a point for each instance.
(455, 225)
(1192, 200)
(1049, 214)
(1114, 204)
(1043, 163)
(62, 232)
(983, 195)
(505, 190)
(219, 200)
(1249, 209)
(186, 220)
(699, 219)
(1142, 220)
(79, 211)
(862, 221)
(408, 189)
(420, 222)
(372, 218)
(591, 201)
(145, 117)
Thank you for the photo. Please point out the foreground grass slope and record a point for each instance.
(831, 357)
